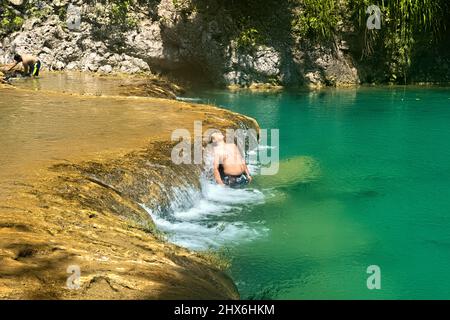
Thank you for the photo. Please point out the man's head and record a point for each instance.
(216, 137)
(18, 57)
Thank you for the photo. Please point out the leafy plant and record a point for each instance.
(316, 18)
(10, 21)
(119, 13)
(404, 24)
(248, 39)
(111, 20)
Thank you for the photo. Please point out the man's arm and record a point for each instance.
(247, 173)
(216, 168)
(244, 165)
(15, 64)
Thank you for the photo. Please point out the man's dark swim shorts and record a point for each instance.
(235, 181)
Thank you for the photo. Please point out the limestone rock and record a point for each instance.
(86, 211)
(105, 69)
(16, 2)
(176, 38)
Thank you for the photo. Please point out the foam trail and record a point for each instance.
(189, 99)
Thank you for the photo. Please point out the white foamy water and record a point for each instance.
(212, 217)
(189, 99)
(215, 217)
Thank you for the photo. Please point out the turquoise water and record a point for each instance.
(382, 197)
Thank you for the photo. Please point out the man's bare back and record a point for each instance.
(229, 166)
(28, 61)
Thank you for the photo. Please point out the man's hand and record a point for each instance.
(250, 179)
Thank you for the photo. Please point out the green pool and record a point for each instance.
(383, 196)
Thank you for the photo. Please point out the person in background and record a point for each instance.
(31, 64)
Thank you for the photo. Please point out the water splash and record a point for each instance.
(211, 217)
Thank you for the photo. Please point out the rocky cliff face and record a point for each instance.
(194, 40)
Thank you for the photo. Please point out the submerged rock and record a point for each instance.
(301, 169)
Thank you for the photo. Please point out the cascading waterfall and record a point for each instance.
(209, 218)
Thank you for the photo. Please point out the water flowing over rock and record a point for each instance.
(89, 214)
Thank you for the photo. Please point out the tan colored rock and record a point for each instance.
(86, 213)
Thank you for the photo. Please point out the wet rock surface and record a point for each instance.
(88, 214)
(90, 83)
(152, 87)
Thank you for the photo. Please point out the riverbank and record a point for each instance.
(288, 43)
(72, 197)
(96, 84)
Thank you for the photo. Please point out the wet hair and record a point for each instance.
(17, 57)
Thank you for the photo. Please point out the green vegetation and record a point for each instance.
(62, 14)
(13, 17)
(111, 20)
(35, 11)
(12, 24)
(391, 54)
(413, 32)
(316, 19)
(10, 21)
(407, 26)
(115, 14)
(120, 13)
(248, 39)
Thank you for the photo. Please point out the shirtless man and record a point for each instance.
(31, 64)
(229, 167)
